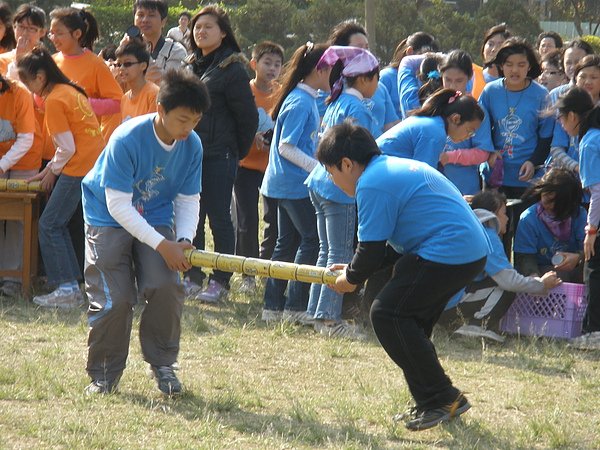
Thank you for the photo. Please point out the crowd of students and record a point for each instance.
(366, 171)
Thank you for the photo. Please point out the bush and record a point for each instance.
(594, 41)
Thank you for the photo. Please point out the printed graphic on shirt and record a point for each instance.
(510, 125)
(146, 189)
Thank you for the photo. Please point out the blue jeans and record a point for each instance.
(56, 246)
(218, 176)
(297, 242)
(335, 224)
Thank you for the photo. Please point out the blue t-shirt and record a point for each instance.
(487, 77)
(389, 78)
(134, 161)
(517, 124)
(533, 236)
(297, 124)
(589, 158)
(496, 260)
(419, 138)
(344, 107)
(468, 178)
(408, 91)
(417, 211)
(382, 109)
(321, 105)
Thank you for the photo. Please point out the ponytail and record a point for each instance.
(302, 63)
(79, 19)
(39, 59)
(446, 102)
(430, 76)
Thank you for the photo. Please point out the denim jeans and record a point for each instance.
(218, 176)
(335, 225)
(57, 250)
(297, 242)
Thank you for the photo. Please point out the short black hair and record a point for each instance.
(347, 140)
(135, 49)
(518, 46)
(490, 200)
(265, 48)
(558, 42)
(181, 88)
(35, 14)
(153, 5)
(186, 14)
(566, 186)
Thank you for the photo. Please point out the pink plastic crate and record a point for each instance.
(558, 314)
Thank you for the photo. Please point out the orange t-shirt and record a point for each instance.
(91, 73)
(258, 159)
(143, 103)
(17, 116)
(68, 110)
(5, 60)
(478, 81)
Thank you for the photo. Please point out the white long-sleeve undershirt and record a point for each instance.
(120, 207)
(65, 149)
(21, 146)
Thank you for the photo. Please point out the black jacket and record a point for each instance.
(228, 127)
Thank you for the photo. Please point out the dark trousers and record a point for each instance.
(514, 213)
(218, 176)
(403, 315)
(245, 200)
(77, 232)
(591, 320)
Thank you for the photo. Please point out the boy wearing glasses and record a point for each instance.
(132, 63)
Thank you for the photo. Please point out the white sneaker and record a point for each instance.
(270, 315)
(342, 330)
(480, 332)
(300, 317)
(190, 287)
(588, 341)
(60, 299)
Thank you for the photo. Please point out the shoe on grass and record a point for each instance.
(167, 381)
(11, 289)
(588, 341)
(479, 332)
(191, 288)
(299, 317)
(60, 298)
(102, 387)
(212, 293)
(271, 315)
(340, 330)
(248, 286)
(423, 419)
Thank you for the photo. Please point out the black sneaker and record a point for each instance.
(102, 387)
(429, 418)
(167, 381)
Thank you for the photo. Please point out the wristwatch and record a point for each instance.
(184, 239)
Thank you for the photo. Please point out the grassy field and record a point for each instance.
(283, 387)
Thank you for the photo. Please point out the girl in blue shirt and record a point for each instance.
(421, 215)
(423, 136)
(336, 211)
(551, 231)
(580, 117)
(291, 159)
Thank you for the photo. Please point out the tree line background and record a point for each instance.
(292, 22)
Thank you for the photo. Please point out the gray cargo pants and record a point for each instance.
(115, 261)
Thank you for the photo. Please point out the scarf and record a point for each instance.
(560, 229)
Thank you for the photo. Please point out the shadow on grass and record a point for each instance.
(291, 427)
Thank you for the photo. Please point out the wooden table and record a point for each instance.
(23, 207)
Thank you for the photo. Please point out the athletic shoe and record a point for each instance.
(428, 418)
(479, 332)
(190, 287)
(61, 299)
(248, 286)
(102, 387)
(270, 315)
(588, 341)
(299, 317)
(212, 293)
(341, 330)
(166, 379)
(11, 289)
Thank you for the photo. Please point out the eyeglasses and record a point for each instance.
(26, 29)
(126, 64)
(551, 72)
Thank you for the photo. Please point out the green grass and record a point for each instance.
(283, 387)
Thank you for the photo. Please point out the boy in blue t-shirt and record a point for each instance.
(407, 208)
(144, 185)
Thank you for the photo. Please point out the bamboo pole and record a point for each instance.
(10, 185)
